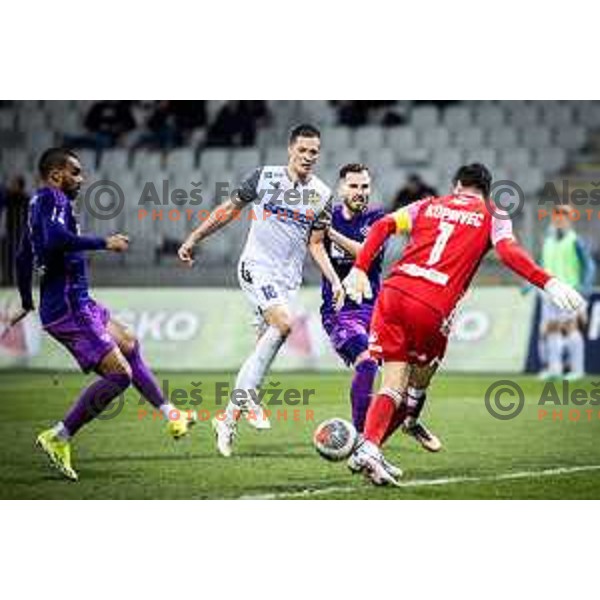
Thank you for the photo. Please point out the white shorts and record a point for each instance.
(552, 314)
(264, 288)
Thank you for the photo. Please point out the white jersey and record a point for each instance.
(283, 216)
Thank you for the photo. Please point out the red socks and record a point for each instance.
(398, 419)
(379, 418)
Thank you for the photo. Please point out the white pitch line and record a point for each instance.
(427, 482)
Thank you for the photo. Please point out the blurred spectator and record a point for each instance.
(106, 122)
(414, 189)
(356, 113)
(161, 130)
(14, 201)
(236, 123)
(189, 114)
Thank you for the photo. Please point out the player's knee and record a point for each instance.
(285, 329)
(124, 371)
(128, 342)
(122, 379)
(365, 359)
(284, 326)
(396, 394)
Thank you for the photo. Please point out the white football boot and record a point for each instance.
(225, 432)
(356, 466)
(369, 459)
(255, 415)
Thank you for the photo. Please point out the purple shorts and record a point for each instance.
(349, 332)
(84, 334)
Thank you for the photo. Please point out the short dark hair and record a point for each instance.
(304, 130)
(476, 176)
(353, 168)
(54, 158)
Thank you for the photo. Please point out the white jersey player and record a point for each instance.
(291, 208)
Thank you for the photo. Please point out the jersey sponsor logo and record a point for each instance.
(463, 217)
(429, 274)
(287, 215)
(314, 198)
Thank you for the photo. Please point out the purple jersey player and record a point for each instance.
(52, 246)
(348, 327)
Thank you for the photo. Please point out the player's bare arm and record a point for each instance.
(357, 284)
(219, 218)
(351, 246)
(317, 251)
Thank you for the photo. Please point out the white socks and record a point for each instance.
(574, 344)
(256, 365)
(575, 347)
(61, 432)
(554, 345)
(166, 409)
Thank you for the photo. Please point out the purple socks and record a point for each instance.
(362, 389)
(93, 400)
(143, 379)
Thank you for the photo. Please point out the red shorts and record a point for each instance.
(406, 330)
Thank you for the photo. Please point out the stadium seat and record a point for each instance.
(275, 156)
(488, 116)
(38, 141)
(550, 159)
(149, 165)
(514, 157)
(32, 121)
(469, 137)
(244, 160)
(535, 137)
(557, 114)
(114, 160)
(486, 156)
(379, 160)
(522, 114)
(401, 138)
(424, 117)
(588, 113)
(89, 160)
(450, 158)
(500, 138)
(569, 137)
(388, 185)
(336, 138)
(16, 162)
(370, 137)
(316, 111)
(457, 118)
(181, 160)
(8, 120)
(214, 159)
(337, 158)
(434, 138)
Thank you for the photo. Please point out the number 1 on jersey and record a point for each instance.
(444, 233)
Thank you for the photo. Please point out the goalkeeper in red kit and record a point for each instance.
(449, 236)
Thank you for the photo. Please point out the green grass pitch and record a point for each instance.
(131, 458)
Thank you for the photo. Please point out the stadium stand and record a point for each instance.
(530, 142)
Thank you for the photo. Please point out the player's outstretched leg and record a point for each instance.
(251, 376)
(56, 442)
(380, 416)
(412, 426)
(365, 372)
(178, 422)
(575, 346)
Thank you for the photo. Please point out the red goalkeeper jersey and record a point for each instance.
(449, 236)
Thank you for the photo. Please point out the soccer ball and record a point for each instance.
(335, 439)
